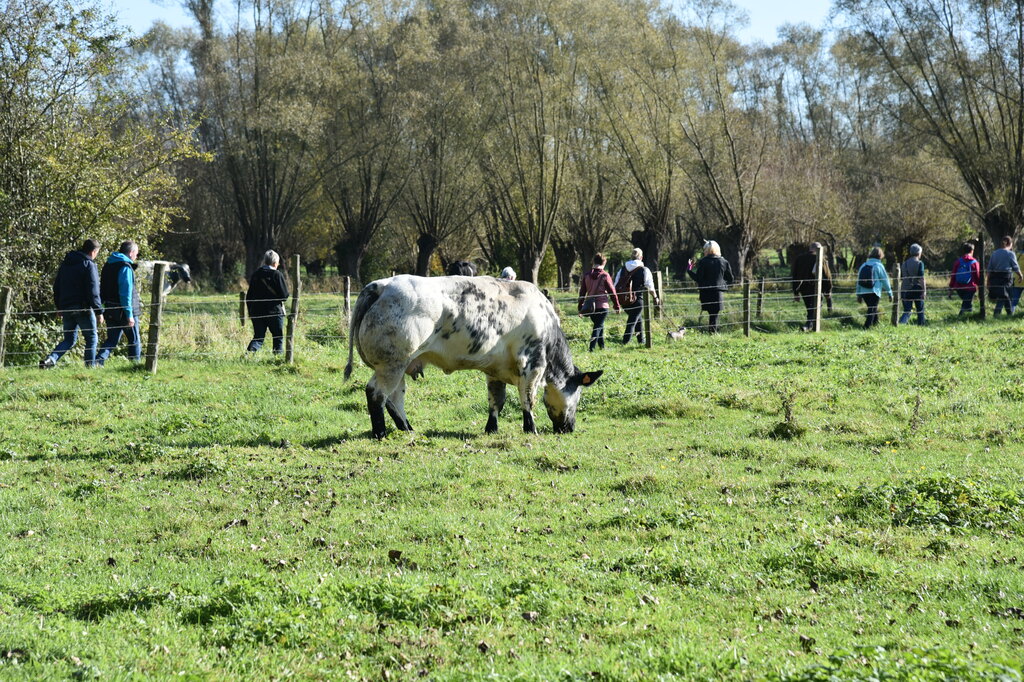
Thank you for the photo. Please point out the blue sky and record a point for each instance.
(765, 15)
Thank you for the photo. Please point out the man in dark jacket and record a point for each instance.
(76, 294)
(120, 295)
(805, 283)
(265, 301)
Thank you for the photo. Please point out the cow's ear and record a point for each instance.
(588, 378)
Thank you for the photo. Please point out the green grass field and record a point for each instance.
(231, 518)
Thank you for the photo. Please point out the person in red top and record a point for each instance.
(966, 277)
(596, 289)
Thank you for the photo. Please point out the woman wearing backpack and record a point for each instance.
(872, 280)
(912, 292)
(630, 283)
(596, 289)
(966, 277)
(713, 276)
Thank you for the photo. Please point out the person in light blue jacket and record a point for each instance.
(872, 281)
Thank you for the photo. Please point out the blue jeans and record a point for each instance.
(1002, 298)
(117, 324)
(634, 324)
(73, 321)
(910, 303)
(1015, 296)
(260, 325)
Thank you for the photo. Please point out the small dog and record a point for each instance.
(677, 334)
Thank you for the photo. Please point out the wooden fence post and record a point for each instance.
(760, 299)
(648, 332)
(817, 290)
(6, 296)
(980, 255)
(746, 307)
(241, 307)
(156, 316)
(658, 284)
(897, 277)
(289, 353)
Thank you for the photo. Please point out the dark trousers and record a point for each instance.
(908, 305)
(260, 325)
(597, 335)
(966, 300)
(872, 300)
(634, 324)
(117, 324)
(711, 303)
(1001, 297)
(73, 321)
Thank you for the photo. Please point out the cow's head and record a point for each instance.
(561, 401)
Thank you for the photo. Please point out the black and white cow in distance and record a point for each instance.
(507, 330)
(176, 273)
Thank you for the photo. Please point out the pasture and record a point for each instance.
(231, 517)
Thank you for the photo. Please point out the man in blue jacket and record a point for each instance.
(76, 294)
(121, 302)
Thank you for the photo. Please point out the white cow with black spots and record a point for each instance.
(507, 330)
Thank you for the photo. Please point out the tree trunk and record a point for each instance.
(426, 244)
(737, 252)
(350, 259)
(999, 224)
(565, 257)
(529, 266)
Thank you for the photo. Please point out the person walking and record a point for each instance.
(596, 290)
(265, 301)
(872, 281)
(76, 294)
(631, 281)
(1002, 266)
(913, 289)
(713, 275)
(121, 302)
(1016, 291)
(965, 278)
(804, 273)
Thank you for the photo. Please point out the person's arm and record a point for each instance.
(94, 286)
(886, 286)
(976, 273)
(727, 273)
(692, 271)
(124, 291)
(283, 283)
(649, 281)
(613, 296)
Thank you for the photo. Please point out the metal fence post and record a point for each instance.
(156, 316)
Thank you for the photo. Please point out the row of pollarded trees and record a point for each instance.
(383, 134)
(402, 129)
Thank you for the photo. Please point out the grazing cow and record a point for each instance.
(176, 273)
(507, 330)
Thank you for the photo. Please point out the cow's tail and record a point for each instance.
(367, 297)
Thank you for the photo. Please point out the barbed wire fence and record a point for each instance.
(217, 326)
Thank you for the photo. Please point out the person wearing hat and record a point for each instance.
(913, 289)
(804, 273)
(713, 275)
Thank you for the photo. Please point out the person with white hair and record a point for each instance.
(631, 281)
(713, 275)
(507, 273)
(912, 286)
(265, 299)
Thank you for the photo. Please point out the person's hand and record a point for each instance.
(99, 319)
(689, 264)
(131, 322)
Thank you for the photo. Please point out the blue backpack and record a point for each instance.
(866, 276)
(963, 273)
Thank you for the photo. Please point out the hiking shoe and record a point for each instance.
(47, 363)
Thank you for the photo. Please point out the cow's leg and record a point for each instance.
(496, 401)
(378, 390)
(396, 407)
(528, 384)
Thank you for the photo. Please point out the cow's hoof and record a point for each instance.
(380, 436)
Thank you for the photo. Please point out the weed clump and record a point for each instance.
(946, 501)
(787, 429)
(638, 485)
